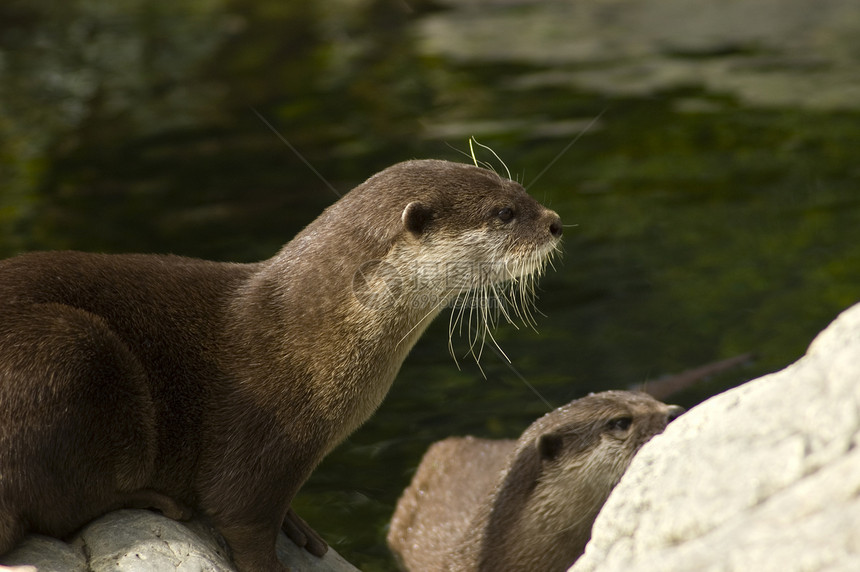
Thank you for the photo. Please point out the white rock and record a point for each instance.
(763, 477)
(47, 555)
(143, 541)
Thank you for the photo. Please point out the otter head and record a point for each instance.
(566, 464)
(600, 432)
(484, 228)
(454, 234)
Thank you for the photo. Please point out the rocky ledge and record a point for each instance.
(143, 541)
(763, 477)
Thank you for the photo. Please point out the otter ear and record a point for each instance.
(415, 217)
(549, 446)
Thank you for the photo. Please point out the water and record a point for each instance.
(712, 207)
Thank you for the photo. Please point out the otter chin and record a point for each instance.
(527, 504)
(188, 385)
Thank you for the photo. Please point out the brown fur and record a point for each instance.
(169, 381)
(525, 505)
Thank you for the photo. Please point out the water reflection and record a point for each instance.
(715, 201)
(797, 52)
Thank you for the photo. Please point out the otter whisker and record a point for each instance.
(527, 295)
(484, 329)
(499, 299)
(498, 347)
(501, 306)
(520, 303)
(516, 304)
(472, 149)
(418, 322)
(508, 308)
(467, 296)
(491, 151)
(472, 340)
(489, 301)
(512, 273)
(488, 322)
(478, 311)
(483, 164)
(507, 297)
(468, 300)
(482, 297)
(460, 151)
(484, 319)
(474, 333)
(516, 291)
(452, 323)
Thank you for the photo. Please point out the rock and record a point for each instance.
(143, 541)
(47, 555)
(763, 477)
(300, 559)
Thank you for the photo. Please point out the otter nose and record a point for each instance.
(675, 411)
(555, 227)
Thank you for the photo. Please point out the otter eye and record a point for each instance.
(620, 423)
(505, 214)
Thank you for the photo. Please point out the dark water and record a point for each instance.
(714, 204)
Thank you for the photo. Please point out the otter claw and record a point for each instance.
(301, 533)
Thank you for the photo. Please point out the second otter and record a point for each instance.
(164, 381)
(487, 505)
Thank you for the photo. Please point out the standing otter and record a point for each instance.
(144, 380)
(487, 505)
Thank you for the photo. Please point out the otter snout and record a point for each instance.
(555, 228)
(675, 411)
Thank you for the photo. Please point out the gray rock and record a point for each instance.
(48, 555)
(143, 541)
(762, 477)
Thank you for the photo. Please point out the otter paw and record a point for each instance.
(303, 535)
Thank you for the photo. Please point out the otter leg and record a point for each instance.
(150, 499)
(301, 533)
(77, 422)
(11, 528)
(253, 546)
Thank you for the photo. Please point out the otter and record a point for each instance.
(187, 385)
(527, 504)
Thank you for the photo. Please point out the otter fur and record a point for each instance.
(184, 384)
(527, 504)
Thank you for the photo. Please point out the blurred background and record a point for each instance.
(705, 154)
